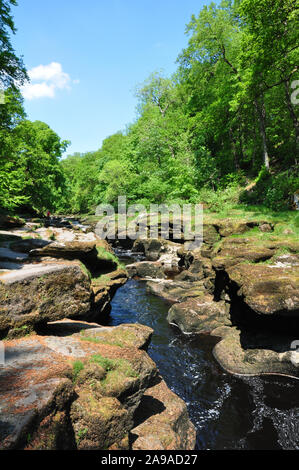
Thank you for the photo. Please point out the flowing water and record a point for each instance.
(228, 412)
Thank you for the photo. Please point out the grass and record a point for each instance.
(117, 365)
(85, 270)
(81, 433)
(104, 254)
(102, 279)
(77, 367)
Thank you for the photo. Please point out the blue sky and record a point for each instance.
(87, 56)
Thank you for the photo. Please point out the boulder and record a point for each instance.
(228, 227)
(267, 289)
(125, 336)
(210, 234)
(176, 291)
(235, 251)
(72, 392)
(245, 354)
(67, 250)
(163, 422)
(146, 269)
(154, 249)
(38, 293)
(8, 222)
(92, 253)
(199, 315)
(104, 289)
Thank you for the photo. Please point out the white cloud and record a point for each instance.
(45, 80)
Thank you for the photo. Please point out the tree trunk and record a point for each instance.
(233, 142)
(293, 117)
(261, 114)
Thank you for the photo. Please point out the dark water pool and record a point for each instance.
(228, 412)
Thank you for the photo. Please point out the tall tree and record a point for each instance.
(12, 69)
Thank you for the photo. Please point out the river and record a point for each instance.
(228, 412)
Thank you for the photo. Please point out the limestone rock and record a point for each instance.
(127, 335)
(235, 251)
(8, 222)
(176, 291)
(64, 392)
(200, 315)
(146, 269)
(163, 422)
(244, 354)
(104, 290)
(66, 250)
(39, 293)
(267, 289)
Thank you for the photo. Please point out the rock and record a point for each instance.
(200, 315)
(235, 251)
(256, 354)
(163, 422)
(158, 249)
(8, 222)
(151, 248)
(210, 234)
(103, 244)
(25, 246)
(188, 276)
(38, 293)
(137, 336)
(287, 260)
(176, 291)
(87, 252)
(31, 388)
(267, 289)
(265, 227)
(72, 392)
(8, 255)
(288, 231)
(228, 227)
(67, 250)
(146, 269)
(198, 268)
(104, 289)
(98, 423)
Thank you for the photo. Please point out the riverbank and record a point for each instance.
(240, 289)
(67, 382)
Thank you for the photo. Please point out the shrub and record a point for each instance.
(274, 191)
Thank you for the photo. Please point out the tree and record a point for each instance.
(12, 69)
(270, 55)
(35, 156)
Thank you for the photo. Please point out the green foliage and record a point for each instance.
(224, 118)
(12, 70)
(77, 367)
(274, 191)
(120, 365)
(221, 199)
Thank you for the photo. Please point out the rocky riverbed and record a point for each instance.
(97, 384)
(67, 381)
(241, 287)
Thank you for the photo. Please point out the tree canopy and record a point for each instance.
(224, 119)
